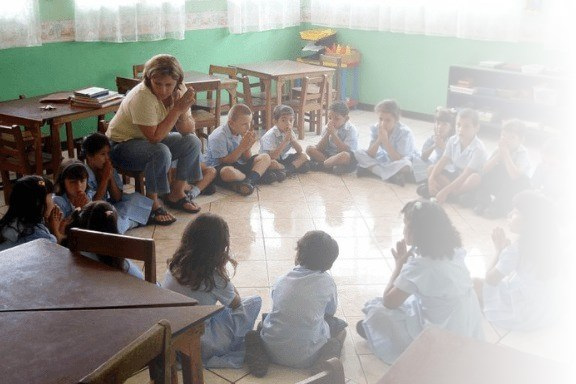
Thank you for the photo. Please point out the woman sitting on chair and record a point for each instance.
(142, 136)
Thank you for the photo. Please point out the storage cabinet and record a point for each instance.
(540, 100)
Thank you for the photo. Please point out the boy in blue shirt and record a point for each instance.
(279, 140)
(334, 151)
(229, 150)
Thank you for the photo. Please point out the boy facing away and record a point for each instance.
(301, 330)
(229, 150)
(334, 151)
(279, 140)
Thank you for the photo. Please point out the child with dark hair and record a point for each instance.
(104, 183)
(301, 330)
(335, 150)
(505, 173)
(31, 214)
(198, 270)
(279, 140)
(391, 150)
(430, 285)
(70, 187)
(521, 289)
(101, 216)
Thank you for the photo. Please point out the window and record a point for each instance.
(20, 24)
(262, 15)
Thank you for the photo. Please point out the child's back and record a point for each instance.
(295, 329)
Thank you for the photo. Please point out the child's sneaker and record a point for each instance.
(332, 348)
(317, 166)
(397, 179)
(360, 329)
(422, 191)
(280, 175)
(363, 172)
(268, 177)
(209, 190)
(243, 187)
(304, 167)
(256, 357)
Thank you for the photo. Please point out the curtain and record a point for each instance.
(262, 15)
(20, 24)
(492, 20)
(129, 20)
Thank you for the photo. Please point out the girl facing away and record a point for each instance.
(101, 216)
(104, 183)
(430, 285)
(31, 214)
(70, 187)
(301, 331)
(198, 269)
(521, 289)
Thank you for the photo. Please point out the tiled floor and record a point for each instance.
(363, 215)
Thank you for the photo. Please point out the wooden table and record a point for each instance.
(64, 346)
(440, 357)
(281, 71)
(54, 305)
(29, 113)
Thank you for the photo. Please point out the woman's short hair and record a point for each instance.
(162, 65)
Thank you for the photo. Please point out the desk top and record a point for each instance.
(64, 346)
(44, 276)
(282, 69)
(23, 111)
(440, 357)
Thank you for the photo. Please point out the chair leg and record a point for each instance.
(70, 140)
(301, 125)
(6, 186)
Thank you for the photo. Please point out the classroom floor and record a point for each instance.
(362, 214)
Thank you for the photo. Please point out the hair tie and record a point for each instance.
(41, 183)
(109, 213)
(418, 205)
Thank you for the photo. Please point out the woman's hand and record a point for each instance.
(184, 102)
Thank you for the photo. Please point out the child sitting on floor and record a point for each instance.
(198, 270)
(229, 151)
(70, 187)
(301, 330)
(391, 149)
(279, 140)
(31, 214)
(335, 150)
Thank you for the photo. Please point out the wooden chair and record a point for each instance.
(138, 71)
(17, 155)
(310, 100)
(228, 82)
(333, 373)
(113, 245)
(124, 84)
(333, 62)
(138, 176)
(151, 349)
(257, 105)
(207, 121)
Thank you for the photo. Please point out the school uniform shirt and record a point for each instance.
(349, 136)
(436, 154)
(442, 295)
(139, 107)
(272, 140)
(295, 329)
(401, 139)
(221, 143)
(521, 301)
(223, 338)
(520, 158)
(64, 204)
(11, 234)
(473, 156)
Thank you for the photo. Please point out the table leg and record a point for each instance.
(56, 149)
(70, 140)
(37, 135)
(268, 88)
(189, 346)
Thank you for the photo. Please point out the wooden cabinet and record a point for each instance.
(540, 100)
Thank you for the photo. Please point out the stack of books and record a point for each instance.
(95, 97)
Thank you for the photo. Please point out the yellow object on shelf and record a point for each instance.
(316, 34)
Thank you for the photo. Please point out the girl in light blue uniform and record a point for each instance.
(198, 270)
(70, 188)
(301, 330)
(104, 183)
(31, 214)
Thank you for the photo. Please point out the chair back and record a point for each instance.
(151, 349)
(256, 104)
(332, 373)
(313, 91)
(228, 81)
(231, 72)
(138, 71)
(125, 84)
(207, 120)
(114, 245)
(333, 62)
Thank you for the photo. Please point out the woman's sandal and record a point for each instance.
(181, 204)
(160, 211)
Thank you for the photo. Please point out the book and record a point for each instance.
(58, 97)
(91, 92)
(463, 90)
(80, 103)
(100, 99)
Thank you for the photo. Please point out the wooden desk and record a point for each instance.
(64, 346)
(28, 112)
(441, 357)
(43, 276)
(281, 71)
